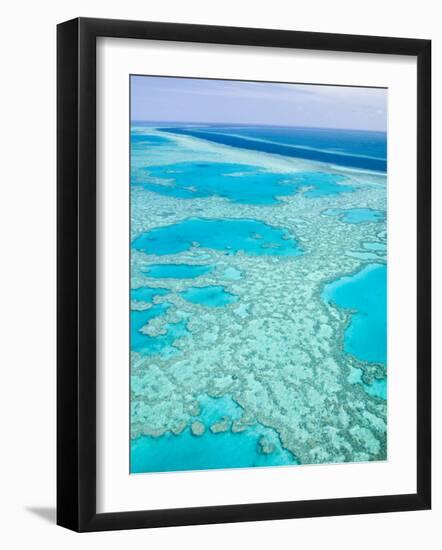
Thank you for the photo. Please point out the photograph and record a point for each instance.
(258, 274)
(231, 214)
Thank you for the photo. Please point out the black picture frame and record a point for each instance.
(76, 274)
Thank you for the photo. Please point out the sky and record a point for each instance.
(169, 99)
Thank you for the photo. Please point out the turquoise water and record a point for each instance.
(149, 345)
(138, 319)
(356, 215)
(324, 184)
(263, 348)
(139, 140)
(144, 343)
(146, 293)
(230, 235)
(211, 450)
(378, 388)
(177, 271)
(232, 274)
(365, 294)
(237, 182)
(211, 296)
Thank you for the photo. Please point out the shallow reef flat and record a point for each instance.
(273, 344)
(213, 440)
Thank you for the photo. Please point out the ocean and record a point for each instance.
(351, 148)
(258, 296)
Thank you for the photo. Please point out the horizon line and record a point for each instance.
(187, 122)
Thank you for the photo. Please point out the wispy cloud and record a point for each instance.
(165, 98)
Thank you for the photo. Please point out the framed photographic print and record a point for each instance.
(243, 264)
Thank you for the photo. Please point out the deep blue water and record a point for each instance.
(230, 235)
(211, 296)
(366, 294)
(210, 450)
(239, 183)
(177, 271)
(352, 148)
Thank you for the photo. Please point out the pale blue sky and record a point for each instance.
(169, 99)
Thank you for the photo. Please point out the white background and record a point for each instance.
(27, 290)
(116, 490)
